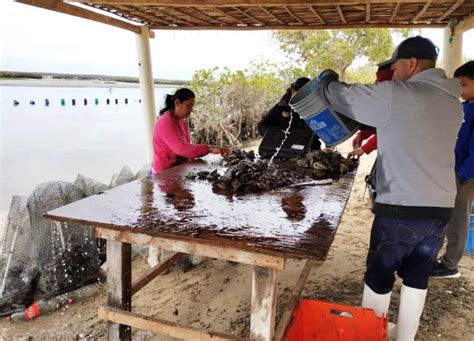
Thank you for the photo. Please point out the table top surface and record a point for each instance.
(291, 222)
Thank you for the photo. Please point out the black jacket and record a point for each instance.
(275, 117)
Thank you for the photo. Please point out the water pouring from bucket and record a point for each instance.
(331, 127)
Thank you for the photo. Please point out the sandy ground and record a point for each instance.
(215, 295)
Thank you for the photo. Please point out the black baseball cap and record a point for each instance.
(299, 83)
(414, 47)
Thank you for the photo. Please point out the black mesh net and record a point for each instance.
(36, 253)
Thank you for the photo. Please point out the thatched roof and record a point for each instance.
(276, 14)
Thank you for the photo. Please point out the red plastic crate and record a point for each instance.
(322, 321)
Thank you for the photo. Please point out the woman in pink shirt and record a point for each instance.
(171, 136)
(172, 146)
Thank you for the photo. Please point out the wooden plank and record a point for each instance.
(119, 282)
(159, 326)
(155, 271)
(367, 12)
(216, 219)
(395, 12)
(245, 14)
(229, 15)
(449, 11)
(420, 13)
(341, 15)
(299, 27)
(263, 9)
(294, 299)
(301, 22)
(194, 248)
(59, 6)
(263, 307)
(316, 14)
(232, 3)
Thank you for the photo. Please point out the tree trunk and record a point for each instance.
(342, 74)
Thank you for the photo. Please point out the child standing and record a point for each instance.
(457, 228)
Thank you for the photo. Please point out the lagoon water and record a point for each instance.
(56, 142)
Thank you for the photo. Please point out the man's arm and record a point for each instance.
(368, 104)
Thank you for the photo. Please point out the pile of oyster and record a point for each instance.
(325, 163)
(246, 175)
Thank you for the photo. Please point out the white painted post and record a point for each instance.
(263, 307)
(452, 50)
(146, 86)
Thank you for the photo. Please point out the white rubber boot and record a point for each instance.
(154, 256)
(378, 302)
(412, 302)
(196, 260)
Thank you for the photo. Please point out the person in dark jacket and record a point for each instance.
(279, 114)
(457, 228)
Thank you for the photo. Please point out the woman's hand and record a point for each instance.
(357, 141)
(355, 153)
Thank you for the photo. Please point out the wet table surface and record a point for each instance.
(292, 222)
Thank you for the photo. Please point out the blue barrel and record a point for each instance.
(469, 248)
(331, 127)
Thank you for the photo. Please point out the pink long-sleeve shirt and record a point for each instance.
(172, 141)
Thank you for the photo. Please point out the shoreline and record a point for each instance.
(76, 83)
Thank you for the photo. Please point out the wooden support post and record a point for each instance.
(155, 271)
(452, 50)
(163, 327)
(146, 86)
(263, 311)
(119, 285)
(294, 299)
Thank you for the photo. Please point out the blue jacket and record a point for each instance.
(465, 144)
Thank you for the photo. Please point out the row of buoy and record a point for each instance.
(74, 102)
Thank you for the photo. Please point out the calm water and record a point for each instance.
(56, 142)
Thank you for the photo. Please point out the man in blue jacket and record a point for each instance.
(457, 228)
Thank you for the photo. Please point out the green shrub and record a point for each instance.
(229, 104)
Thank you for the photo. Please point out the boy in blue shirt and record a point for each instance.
(457, 228)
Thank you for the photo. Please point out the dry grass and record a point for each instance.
(232, 119)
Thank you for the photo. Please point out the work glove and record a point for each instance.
(324, 78)
(328, 76)
(224, 151)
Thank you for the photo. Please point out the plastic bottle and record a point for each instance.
(43, 306)
(37, 309)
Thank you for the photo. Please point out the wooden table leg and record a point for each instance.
(119, 285)
(263, 311)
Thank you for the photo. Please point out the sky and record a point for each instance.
(38, 40)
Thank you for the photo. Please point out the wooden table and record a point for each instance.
(186, 216)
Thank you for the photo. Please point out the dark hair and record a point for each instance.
(299, 83)
(465, 70)
(384, 67)
(181, 95)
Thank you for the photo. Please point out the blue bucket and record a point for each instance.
(331, 127)
(469, 248)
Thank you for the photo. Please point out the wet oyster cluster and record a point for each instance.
(246, 175)
(325, 163)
